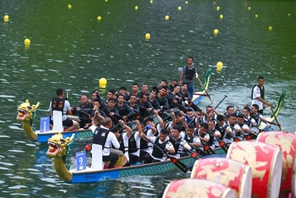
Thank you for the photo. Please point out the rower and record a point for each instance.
(104, 137)
(153, 101)
(145, 106)
(180, 145)
(241, 127)
(59, 103)
(131, 142)
(124, 109)
(84, 112)
(162, 141)
(215, 133)
(230, 132)
(190, 138)
(204, 136)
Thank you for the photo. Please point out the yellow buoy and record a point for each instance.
(221, 16)
(106, 0)
(249, 8)
(256, 15)
(219, 64)
(136, 7)
(270, 28)
(186, 2)
(99, 18)
(216, 31)
(151, 1)
(147, 36)
(179, 8)
(103, 82)
(6, 18)
(218, 8)
(289, 14)
(69, 6)
(166, 17)
(27, 42)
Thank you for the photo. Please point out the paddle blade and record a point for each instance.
(179, 164)
(209, 150)
(224, 146)
(194, 155)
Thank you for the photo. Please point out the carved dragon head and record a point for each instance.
(58, 146)
(25, 111)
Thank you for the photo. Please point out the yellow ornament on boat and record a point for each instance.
(102, 82)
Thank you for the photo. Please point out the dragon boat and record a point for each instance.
(59, 148)
(199, 95)
(27, 114)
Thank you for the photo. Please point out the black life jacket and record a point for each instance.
(189, 73)
(58, 104)
(228, 135)
(100, 136)
(120, 140)
(262, 91)
(247, 121)
(132, 145)
(188, 139)
(143, 143)
(156, 152)
(256, 118)
(211, 141)
(176, 144)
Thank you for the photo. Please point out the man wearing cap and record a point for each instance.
(257, 95)
(221, 124)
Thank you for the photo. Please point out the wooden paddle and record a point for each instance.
(174, 160)
(204, 89)
(277, 121)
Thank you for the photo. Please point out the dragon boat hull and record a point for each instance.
(80, 134)
(92, 175)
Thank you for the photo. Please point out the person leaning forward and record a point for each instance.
(103, 136)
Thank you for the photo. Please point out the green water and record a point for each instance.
(71, 49)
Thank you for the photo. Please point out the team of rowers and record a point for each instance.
(148, 126)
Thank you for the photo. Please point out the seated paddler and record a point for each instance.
(103, 136)
(161, 146)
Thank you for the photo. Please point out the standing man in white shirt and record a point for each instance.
(103, 136)
(257, 95)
